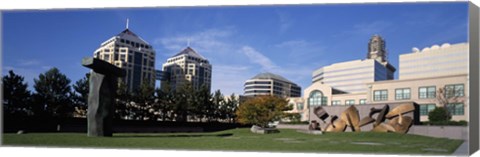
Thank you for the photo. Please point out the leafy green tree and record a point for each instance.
(53, 93)
(16, 96)
(262, 110)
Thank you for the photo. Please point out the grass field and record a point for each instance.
(242, 140)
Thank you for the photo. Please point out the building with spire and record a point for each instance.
(351, 76)
(424, 74)
(187, 66)
(130, 52)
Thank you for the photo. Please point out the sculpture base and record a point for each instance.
(260, 130)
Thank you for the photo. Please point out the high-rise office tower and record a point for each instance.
(187, 66)
(130, 52)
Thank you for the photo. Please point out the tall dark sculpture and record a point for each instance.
(101, 97)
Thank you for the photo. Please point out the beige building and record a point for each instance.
(425, 92)
(130, 52)
(187, 66)
(351, 76)
(434, 61)
(423, 88)
(271, 84)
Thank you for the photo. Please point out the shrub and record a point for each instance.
(449, 123)
(439, 114)
(293, 117)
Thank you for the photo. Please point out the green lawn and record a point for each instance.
(242, 140)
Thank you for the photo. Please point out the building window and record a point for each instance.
(336, 102)
(299, 106)
(426, 92)
(455, 108)
(363, 101)
(426, 108)
(106, 57)
(454, 90)
(380, 95)
(316, 98)
(349, 102)
(402, 94)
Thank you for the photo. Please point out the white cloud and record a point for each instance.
(233, 63)
(230, 78)
(285, 21)
(258, 58)
(371, 28)
(28, 62)
(207, 42)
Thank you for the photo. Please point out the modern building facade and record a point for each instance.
(130, 52)
(187, 66)
(351, 76)
(271, 84)
(434, 77)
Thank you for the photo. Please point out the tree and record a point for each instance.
(80, 97)
(16, 96)
(445, 96)
(165, 101)
(53, 93)
(262, 110)
(122, 108)
(144, 98)
(230, 107)
(184, 102)
(214, 108)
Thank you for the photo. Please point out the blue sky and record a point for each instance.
(240, 42)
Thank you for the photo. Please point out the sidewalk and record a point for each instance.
(462, 150)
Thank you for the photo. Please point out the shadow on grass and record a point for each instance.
(170, 136)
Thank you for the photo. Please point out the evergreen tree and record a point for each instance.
(144, 98)
(166, 101)
(230, 108)
(80, 97)
(16, 97)
(215, 109)
(53, 93)
(122, 100)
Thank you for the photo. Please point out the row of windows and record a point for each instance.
(453, 108)
(134, 44)
(456, 90)
(261, 87)
(258, 82)
(349, 102)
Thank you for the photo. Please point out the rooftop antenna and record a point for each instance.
(127, 24)
(188, 42)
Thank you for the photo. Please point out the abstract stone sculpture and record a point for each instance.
(320, 113)
(351, 117)
(397, 121)
(101, 96)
